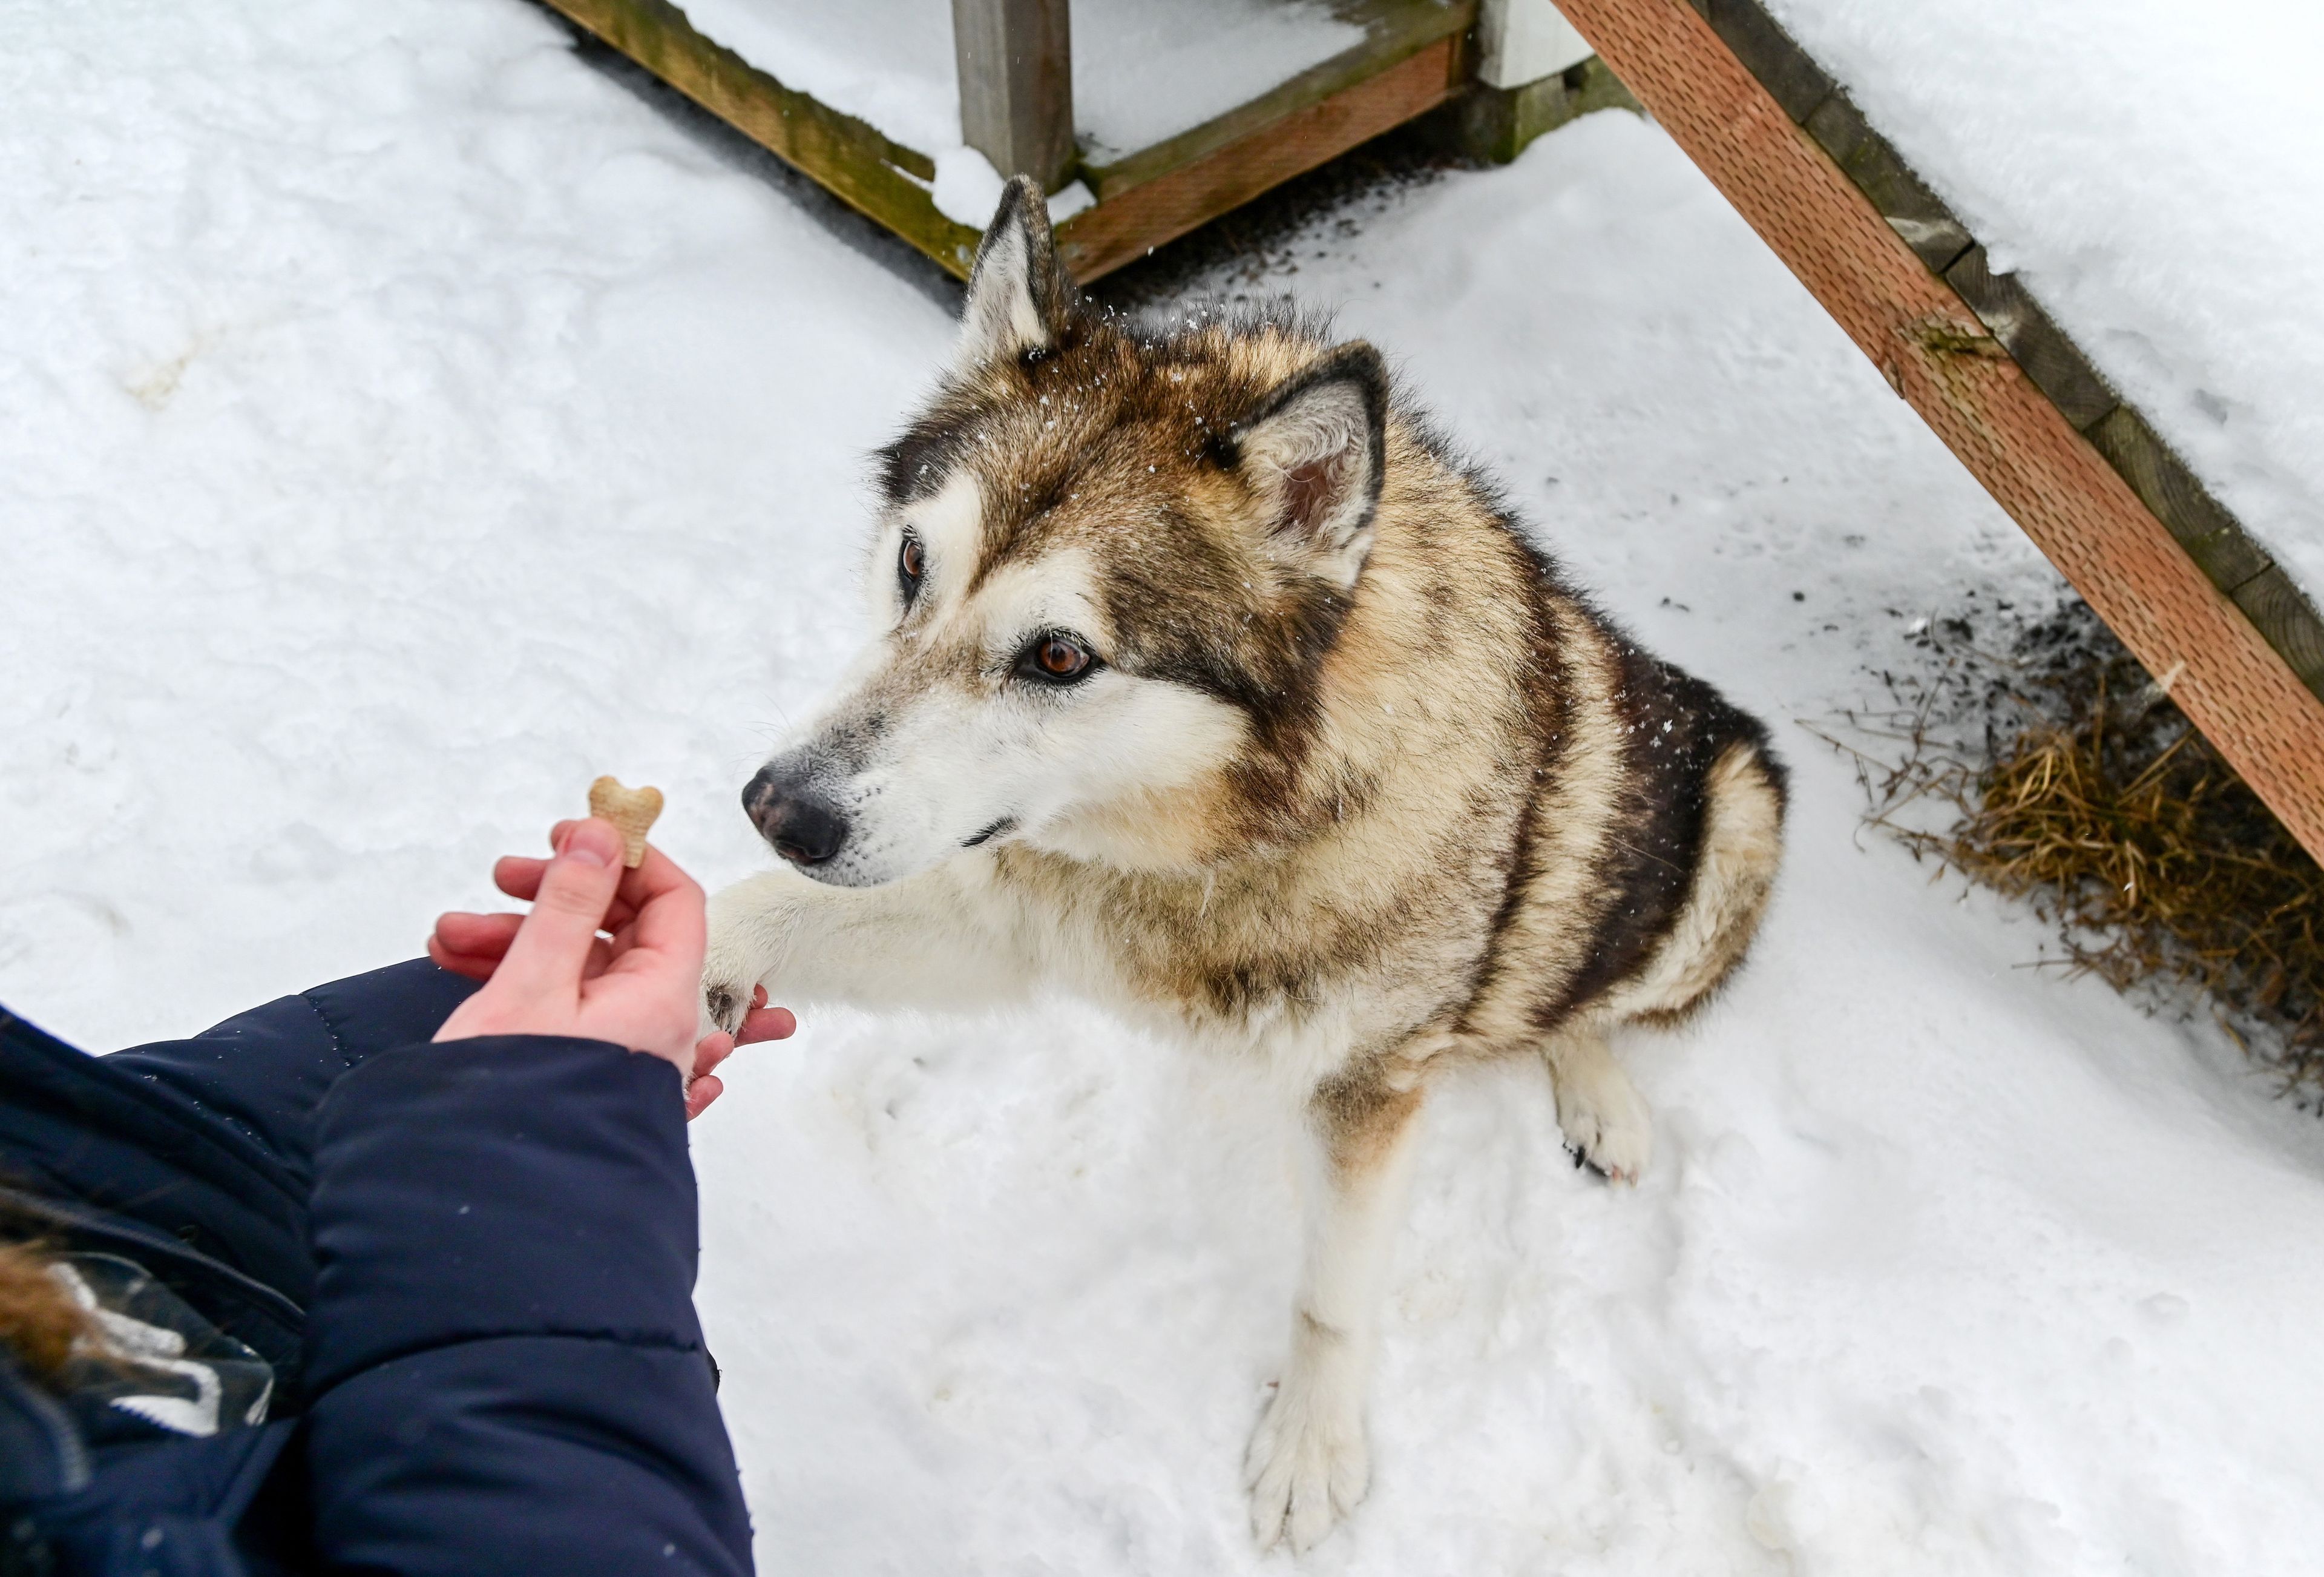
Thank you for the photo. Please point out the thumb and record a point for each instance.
(551, 949)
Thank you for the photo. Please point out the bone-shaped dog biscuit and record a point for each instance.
(630, 810)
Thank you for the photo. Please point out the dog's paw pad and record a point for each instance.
(1608, 1128)
(1307, 1467)
(725, 1005)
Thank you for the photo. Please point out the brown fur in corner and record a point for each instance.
(39, 1323)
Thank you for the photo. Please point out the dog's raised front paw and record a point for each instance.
(728, 986)
(1607, 1123)
(731, 974)
(725, 1002)
(750, 929)
(1308, 1466)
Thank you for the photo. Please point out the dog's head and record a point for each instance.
(1112, 559)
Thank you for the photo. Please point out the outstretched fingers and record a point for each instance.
(764, 1023)
(761, 1023)
(550, 950)
(669, 931)
(474, 944)
(704, 1085)
(460, 964)
(519, 876)
(472, 935)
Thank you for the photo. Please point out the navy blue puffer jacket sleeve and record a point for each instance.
(504, 1369)
(262, 1072)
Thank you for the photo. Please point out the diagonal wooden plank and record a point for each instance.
(1936, 354)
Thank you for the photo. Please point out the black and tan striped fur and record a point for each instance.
(1421, 800)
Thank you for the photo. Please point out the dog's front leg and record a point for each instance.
(931, 941)
(1309, 1463)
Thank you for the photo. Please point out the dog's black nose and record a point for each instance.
(806, 828)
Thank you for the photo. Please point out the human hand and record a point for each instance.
(550, 973)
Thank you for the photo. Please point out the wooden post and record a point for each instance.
(1523, 40)
(1015, 64)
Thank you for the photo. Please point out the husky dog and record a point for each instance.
(1207, 682)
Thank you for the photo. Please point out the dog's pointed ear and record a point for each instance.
(1314, 455)
(1017, 294)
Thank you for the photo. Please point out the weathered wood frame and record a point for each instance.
(2172, 572)
(1414, 57)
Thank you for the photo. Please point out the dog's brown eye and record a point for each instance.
(911, 565)
(1056, 659)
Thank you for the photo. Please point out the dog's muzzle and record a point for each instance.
(805, 827)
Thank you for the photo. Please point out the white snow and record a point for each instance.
(886, 61)
(1144, 70)
(967, 188)
(402, 423)
(2155, 170)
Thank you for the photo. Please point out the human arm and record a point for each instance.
(506, 1370)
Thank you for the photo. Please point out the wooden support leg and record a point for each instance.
(1015, 64)
(1497, 123)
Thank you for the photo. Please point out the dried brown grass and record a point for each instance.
(2058, 772)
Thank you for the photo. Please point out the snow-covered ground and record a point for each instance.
(400, 423)
(2155, 170)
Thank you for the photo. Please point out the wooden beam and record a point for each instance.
(880, 178)
(1134, 221)
(1394, 32)
(1872, 277)
(1015, 64)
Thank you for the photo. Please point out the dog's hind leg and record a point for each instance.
(1606, 1122)
(1309, 1463)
